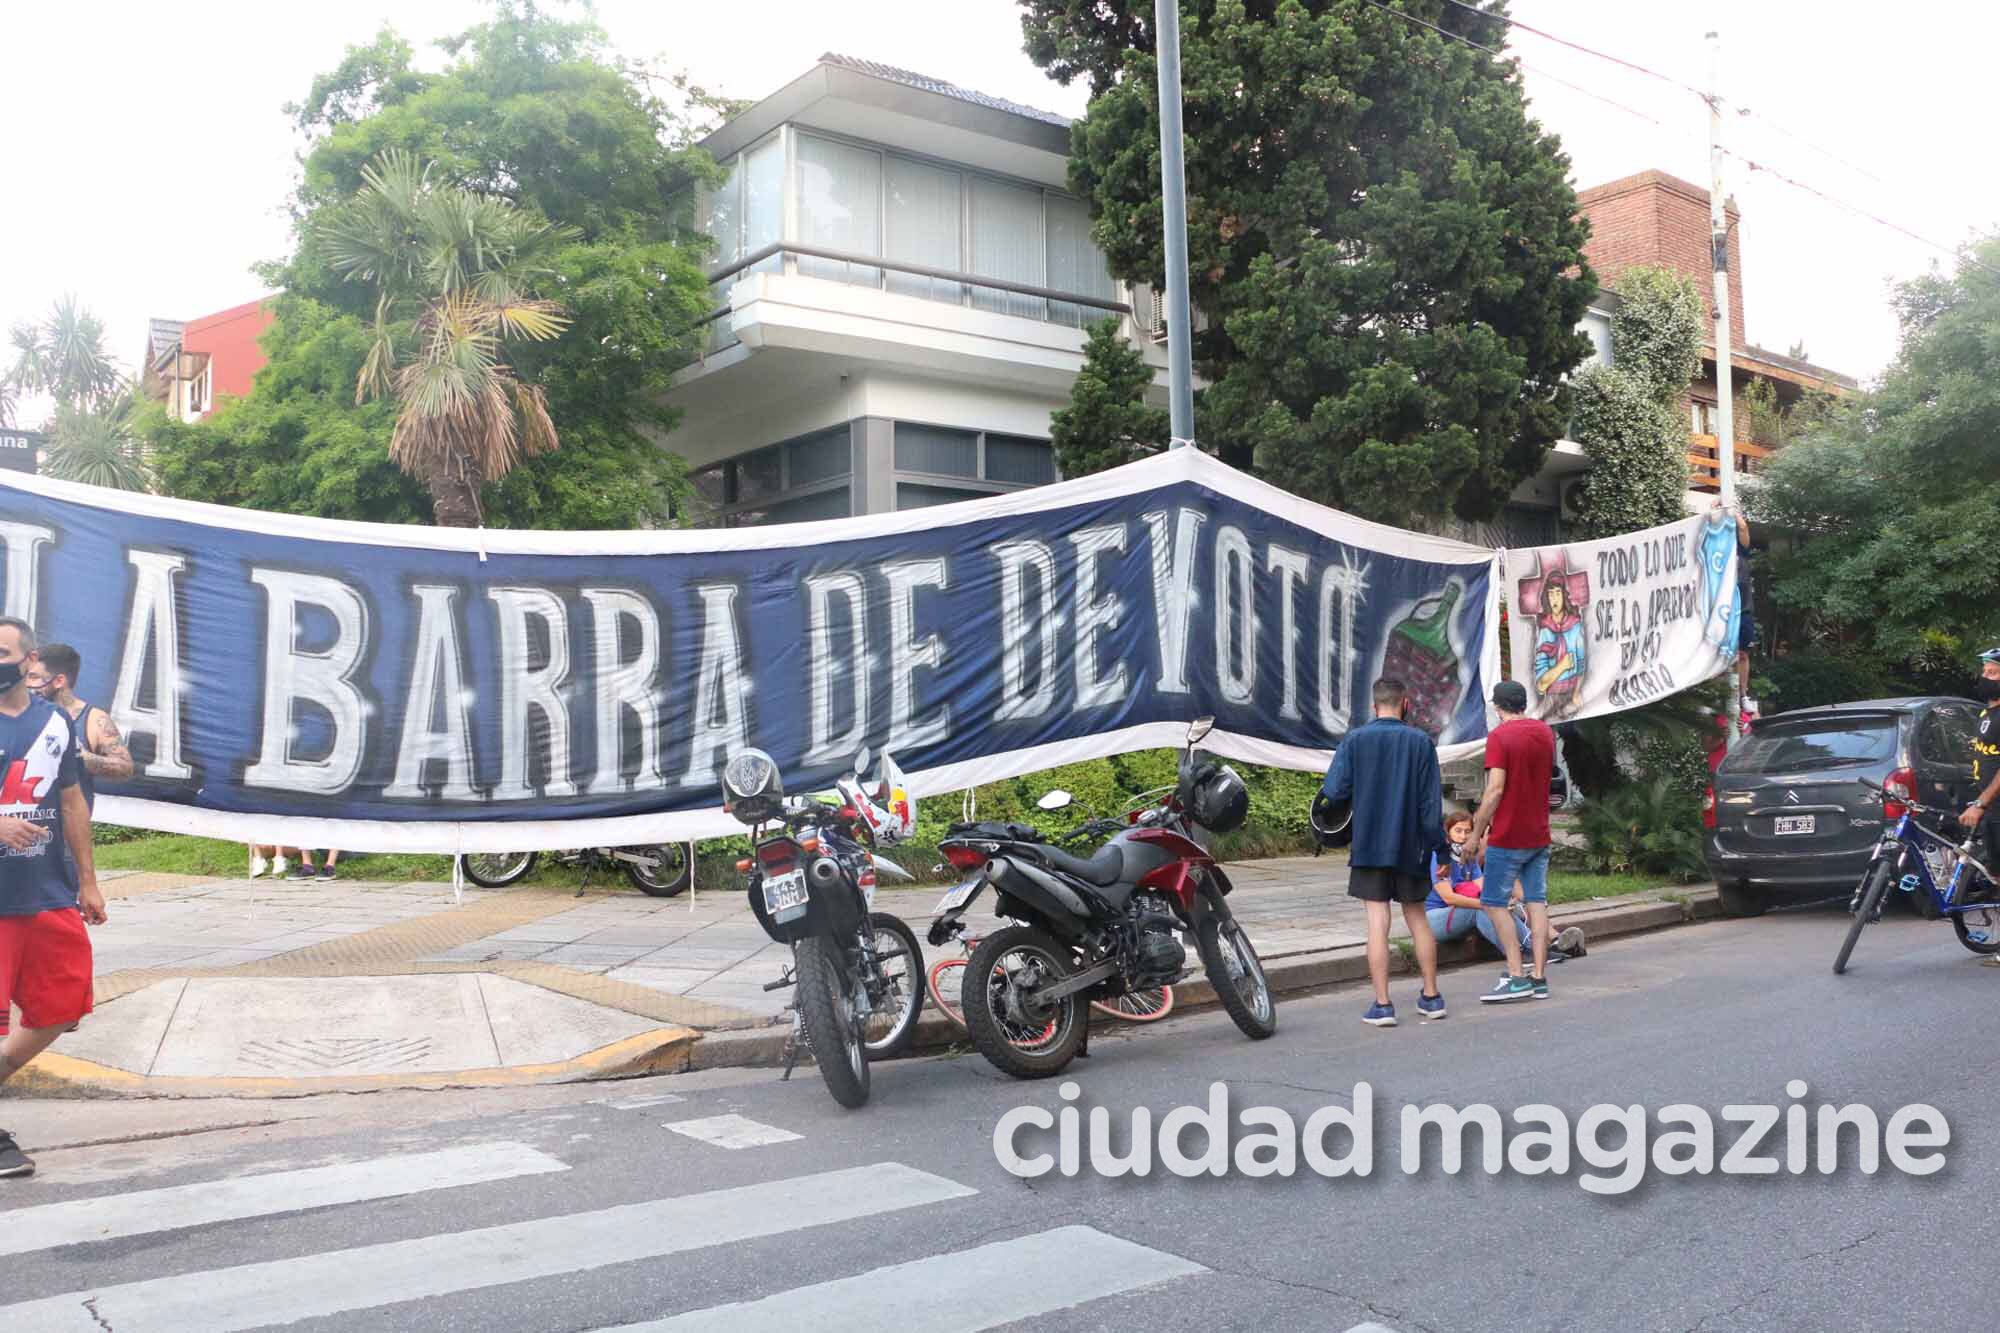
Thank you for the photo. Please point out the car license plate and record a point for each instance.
(958, 897)
(784, 892)
(1796, 823)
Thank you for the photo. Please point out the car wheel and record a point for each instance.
(1739, 899)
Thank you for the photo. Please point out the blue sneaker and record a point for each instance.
(1540, 986)
(1380, 1016)
(1509, 990)
(1430, 1006)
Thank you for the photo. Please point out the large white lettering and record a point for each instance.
(1020, 563)
(1235, 617)
(908, 654)
(152, 632)
(1340, 587)
(1173, 590)
(829, 665)
(1290, 567)
(625, 685)
(1094, 615)
(324, 678)
(24, 550)
(437, 695)
(525, 691)
(719, 688)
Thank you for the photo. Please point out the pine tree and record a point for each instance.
(1107, 421)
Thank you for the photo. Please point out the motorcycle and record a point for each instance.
(660, 871)
(811, 883)
(1102, 927)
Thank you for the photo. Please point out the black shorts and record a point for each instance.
(1381, 884)
(1746, 625)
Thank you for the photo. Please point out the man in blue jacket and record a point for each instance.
(1389, 770)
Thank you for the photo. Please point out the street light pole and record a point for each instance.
(1725, 385)
(1173, 193)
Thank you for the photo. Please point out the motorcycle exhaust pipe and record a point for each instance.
(823, 873)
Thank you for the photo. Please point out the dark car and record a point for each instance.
(1788, 818)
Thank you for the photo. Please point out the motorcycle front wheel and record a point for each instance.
(1017, 1035)
(826, 1001)
(669, 875)
(496, 870)
(899, 987)
(1237, 974)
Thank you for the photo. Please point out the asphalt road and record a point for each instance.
(579, 1209)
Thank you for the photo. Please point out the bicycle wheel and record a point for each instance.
(1978, 929)
(669, 874)
(944, 981)
(1872, 889)
(1139, 1006)
(898, 998)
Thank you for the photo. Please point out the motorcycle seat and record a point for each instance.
(1102, 869)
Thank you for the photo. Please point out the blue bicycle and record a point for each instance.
(1916, 859)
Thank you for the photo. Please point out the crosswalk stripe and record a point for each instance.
(137, 1213)
(732, 1131)
(983, 1287)
(253, 1295)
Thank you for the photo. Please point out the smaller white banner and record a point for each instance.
(1600, 627)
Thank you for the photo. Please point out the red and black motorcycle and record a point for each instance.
(1103, 926)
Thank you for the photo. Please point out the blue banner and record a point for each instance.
(427, 689)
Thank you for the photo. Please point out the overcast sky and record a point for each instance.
(148, 160)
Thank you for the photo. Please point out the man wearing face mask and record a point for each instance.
(1986, 752)
(45, 897)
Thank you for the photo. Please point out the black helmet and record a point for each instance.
(1332, 821)
(1218, 800)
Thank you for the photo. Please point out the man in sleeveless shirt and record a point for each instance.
(99, 745)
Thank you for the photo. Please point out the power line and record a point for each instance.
(1960, 253)
(1800, 139)
(1579, 46)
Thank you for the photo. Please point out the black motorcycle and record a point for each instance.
(660, 871)
(811, 883)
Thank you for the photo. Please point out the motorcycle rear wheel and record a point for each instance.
(1237, 974)
(825, 999)
(496, 870)
(1025, 1045)
(668, 879)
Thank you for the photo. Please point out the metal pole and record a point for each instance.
(1725, 388)
(1173, 193)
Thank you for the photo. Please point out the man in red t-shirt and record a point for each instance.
(1511, 827)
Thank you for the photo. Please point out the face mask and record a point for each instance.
(10, 675)
(1985, 689)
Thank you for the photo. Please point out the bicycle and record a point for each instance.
(1924, 856)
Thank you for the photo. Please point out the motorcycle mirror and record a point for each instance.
(861, 760)
(1199, 728)
(1055, 800)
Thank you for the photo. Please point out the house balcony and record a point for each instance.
(1704, 462)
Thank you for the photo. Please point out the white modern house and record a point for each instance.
(901, 284)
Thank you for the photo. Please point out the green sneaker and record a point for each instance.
(1509, 990)
(1540, 987)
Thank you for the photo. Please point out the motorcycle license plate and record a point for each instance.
(1796, 823)
(958, 897)
(784, 892)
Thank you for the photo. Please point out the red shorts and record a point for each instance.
(45, 967)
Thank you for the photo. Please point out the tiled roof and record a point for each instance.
(162, 336)
(929, 84)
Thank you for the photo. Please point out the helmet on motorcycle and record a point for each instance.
(1219, 801)
(751, 788)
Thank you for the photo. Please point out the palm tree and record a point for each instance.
(97, 446)
(453, 272)
(63, 356)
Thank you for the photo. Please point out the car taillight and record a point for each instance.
(964, 858)
(1899, 787)
(1708, 807)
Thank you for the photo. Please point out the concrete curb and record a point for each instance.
(661, 1051)
(1297, 974)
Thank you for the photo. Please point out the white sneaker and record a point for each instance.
(279, 866)
(258, 865)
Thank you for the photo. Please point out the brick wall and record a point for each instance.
(1662, 221)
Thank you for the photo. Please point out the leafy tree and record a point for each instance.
(531, 108)
(1896, 495)
(90, 434)
(453, 271)
(1630, 417)
(62, 355)
(97, 445)
(1107, 421)
(1383, 245)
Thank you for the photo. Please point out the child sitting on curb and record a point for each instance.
(1453, 905)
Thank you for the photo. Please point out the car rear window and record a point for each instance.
(1793, 747)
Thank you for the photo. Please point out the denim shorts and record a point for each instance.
(1504, 865)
